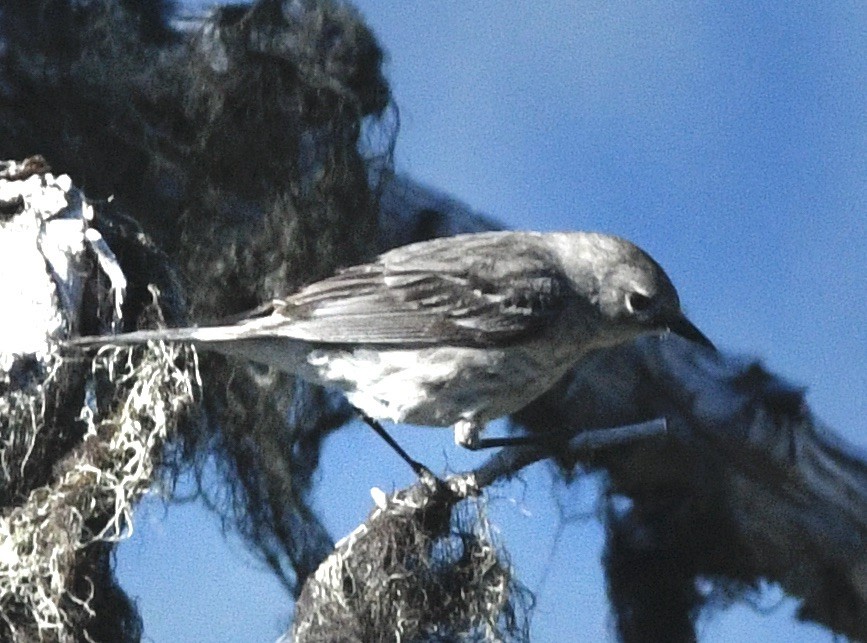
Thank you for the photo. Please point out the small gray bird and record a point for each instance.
(455, 331)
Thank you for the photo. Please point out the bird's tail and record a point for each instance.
(248, 341)
(205, 335)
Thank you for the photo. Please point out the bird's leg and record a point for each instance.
(467, 435)
(420, 470)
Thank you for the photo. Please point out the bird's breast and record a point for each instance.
(437, 386)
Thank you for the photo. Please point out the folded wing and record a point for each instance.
(473, 290)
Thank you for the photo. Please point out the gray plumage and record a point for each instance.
(455, 331)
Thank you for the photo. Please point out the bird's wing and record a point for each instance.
(478, 290)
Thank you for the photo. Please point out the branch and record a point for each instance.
(506, 463)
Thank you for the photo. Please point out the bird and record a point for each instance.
(454, 331)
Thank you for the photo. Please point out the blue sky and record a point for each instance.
(727, 139)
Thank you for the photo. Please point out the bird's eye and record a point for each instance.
(637, 303)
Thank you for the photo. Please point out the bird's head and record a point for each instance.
(629, 289)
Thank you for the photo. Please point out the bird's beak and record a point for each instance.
(686, 329)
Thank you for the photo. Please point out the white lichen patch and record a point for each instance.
(39, 249)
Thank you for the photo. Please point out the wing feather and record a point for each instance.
(478, 289)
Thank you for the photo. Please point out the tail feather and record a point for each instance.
(192, 335)
(248, 341)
